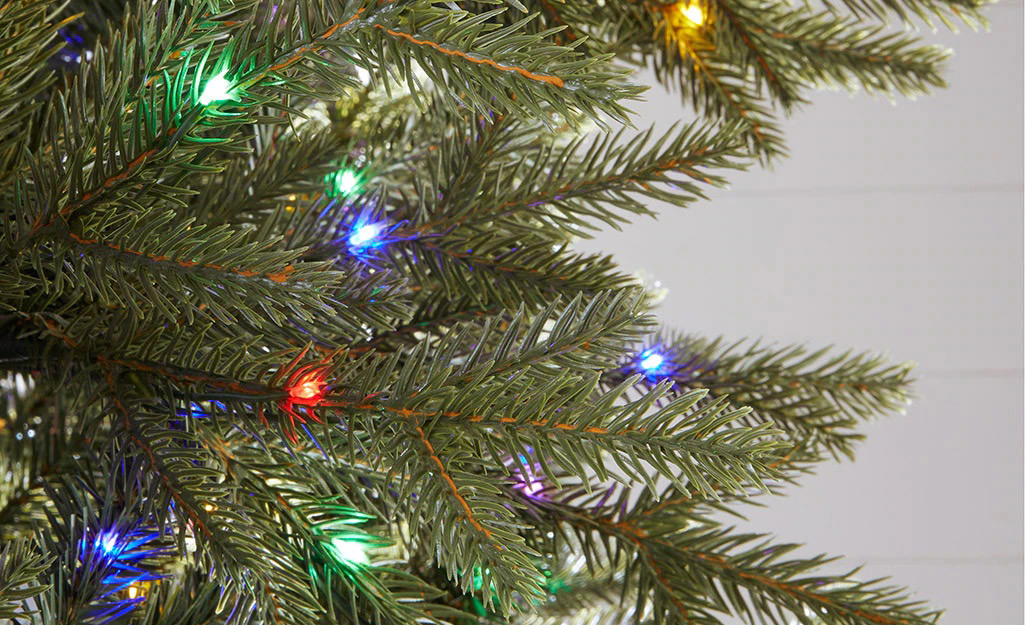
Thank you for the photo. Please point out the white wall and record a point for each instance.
(896, 228)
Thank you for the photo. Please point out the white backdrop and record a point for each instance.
(894, 228)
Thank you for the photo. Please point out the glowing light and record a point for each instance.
(347, 182)
(350, 552)
(528, 482)
(652, 362)
(107, 543)
(116, 557)
(364, 235)
(217, 89)
(692, 12)
(478, 578)
(532, 487)
(308, 387)
(343, 182)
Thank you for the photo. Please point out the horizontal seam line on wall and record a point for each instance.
(993, 559)
(851, 191)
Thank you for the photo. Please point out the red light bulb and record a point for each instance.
(307, 387)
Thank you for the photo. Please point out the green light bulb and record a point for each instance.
(350, 552)
(344, 182)
(217, 89)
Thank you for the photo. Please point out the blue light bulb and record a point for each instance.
(651, 361)
(107, 543)
(364, 235)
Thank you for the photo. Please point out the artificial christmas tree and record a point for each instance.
(293, 332)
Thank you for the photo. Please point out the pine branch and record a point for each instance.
(491, 67)
(947, 11)
(189, 270)
(590, 179)
(693, 570)
(239, 554)
(20, 568)
(434, 316)
(722, 91)
(143, 122)
(766, 65)
(562, 421)
(243, 372)
(36, 446)
(505, 270)
(813, 397)
(484, 541)
(832, 51)
(27, 38)
(286, 166)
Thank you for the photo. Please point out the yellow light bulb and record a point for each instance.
(692, 12)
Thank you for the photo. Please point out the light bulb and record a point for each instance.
(652, 361)
(364, 234)
(307, 387)
(691, 12)
(216, 89)
(350, 551)
(346, 182)
(107, 542)
(532, 487)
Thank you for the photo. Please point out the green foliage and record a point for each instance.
(20, 567)
(749, 55)
(678, 565)
(817, 398)
(196, 351)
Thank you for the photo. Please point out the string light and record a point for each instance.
(308, 387)
(363, 236)
(107, 543)
(478, 578)
(691, 12)
(653, 364)
(554, 583)
(346, 546)
(350, 552)
(477, 584)
(217, 89)
(528, 482)
(120, 560)
(343, 182)
(137, 590)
